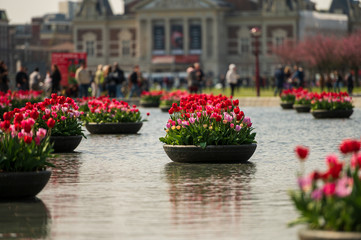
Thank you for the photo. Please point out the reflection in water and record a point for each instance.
(202, 191)
(24, 219)
(67, 168)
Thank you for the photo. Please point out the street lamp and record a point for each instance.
(256, 34)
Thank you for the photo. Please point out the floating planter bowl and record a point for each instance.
(306, 234)
(211, 154)
(149, 104)
(17, 185)
(114, 128)
(287, 105)
(331, 113)
(165, 108)
(302, 108)
(65, 143)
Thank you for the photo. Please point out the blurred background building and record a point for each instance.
(166, 36)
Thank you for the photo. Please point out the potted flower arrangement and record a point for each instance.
(63, 116)
(207, 128)
(303, 100)
(288, 98)
(168, 99)
(329, 201)
(5, 105)
(21, 97)
(332, 105)
(151, 99)
(108, 116)
(24, 150)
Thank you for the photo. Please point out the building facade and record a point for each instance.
(4, 36)
(169, 35)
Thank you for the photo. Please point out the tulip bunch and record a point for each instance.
(173, 97)
(23, 146)
(289, 95)
(203, 120)
(152, 96)
(105, 110)
(331, 101)
(331, 199)
(303, 97)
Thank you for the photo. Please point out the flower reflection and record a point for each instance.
(202, 191)
(24, 219)
(67, 168)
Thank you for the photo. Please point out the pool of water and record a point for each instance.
(125, 186)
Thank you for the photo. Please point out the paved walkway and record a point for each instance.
(275, 101)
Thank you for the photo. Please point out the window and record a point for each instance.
(244, 45)
(279, 36)
(89, 48)
(126, 47)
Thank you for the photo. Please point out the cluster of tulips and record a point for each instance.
(330, 199)
(202, 119)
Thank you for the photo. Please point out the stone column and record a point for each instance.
(186, 36)
(204, 37)
(167, 35)
(105, 42)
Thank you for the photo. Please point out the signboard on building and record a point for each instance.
(176, 39)
(195, 38)
(67, 64)
(158, 40)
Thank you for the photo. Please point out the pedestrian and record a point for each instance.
(301, 77)
(34, 80)
(118, 75)
(99, 81)
(280, 77)
(232, 77)
(83, 78)
(4, 80)
(338, 82)
(55, 79)
(192, 80)
(350, 83)
(322, 82)
(288, 74)
(111, 82)
(329, 82)
(47, 84)
(199, 75)
(21, 79)
(135, 80)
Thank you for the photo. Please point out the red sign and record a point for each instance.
(67, 64)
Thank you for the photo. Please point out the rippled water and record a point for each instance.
(125, 187)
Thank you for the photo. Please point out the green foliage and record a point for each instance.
(18, 156)
(114, 116)
(331, 105)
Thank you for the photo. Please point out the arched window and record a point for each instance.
(244, 40)
(125, 43)
(89, 44)
(278, 37)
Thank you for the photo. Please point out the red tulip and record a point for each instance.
(350, 145)
(302, 152)
(28, 139)
(50, 123)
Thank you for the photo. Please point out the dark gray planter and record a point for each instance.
(149, 104)
(287, 105)
(211, 154)
(331, 113)
(15, 185)
(306, 234)
(24, 219)
(114, 128)
(165, 108)
(302, 108)
(65, 143)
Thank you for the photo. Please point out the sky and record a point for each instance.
(34, 8)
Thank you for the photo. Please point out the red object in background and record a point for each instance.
(67, 64)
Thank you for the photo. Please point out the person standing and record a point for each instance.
(55, 79)
(192, 80)
(232, 77)
(338, 82)
(34, 80)
(82, 76)
(4, 80)
(350, 83)
(199, 75)
(118, 75)
(21, 79)
(111, 82)
(280, 77)
(135, 80)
